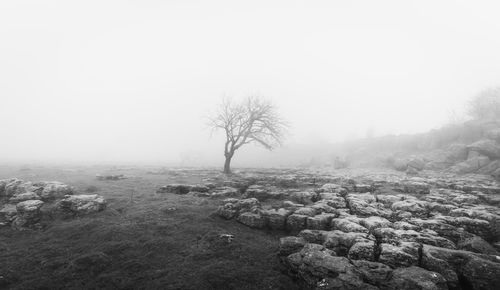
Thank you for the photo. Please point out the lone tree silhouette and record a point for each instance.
(253, 120)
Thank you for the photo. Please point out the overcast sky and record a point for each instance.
(101, 81)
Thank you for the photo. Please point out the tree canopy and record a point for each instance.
(254, 120)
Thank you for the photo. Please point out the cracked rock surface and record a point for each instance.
(379, 231)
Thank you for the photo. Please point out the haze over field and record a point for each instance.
(132, 81)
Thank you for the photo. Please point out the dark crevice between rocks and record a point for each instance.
(377, 249)
(420, 254)
(464, 283)
(348, 205)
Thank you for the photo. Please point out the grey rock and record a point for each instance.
(296, 222)
(253, 220)
(415, 278)
(276, 218)
(289, 245)
(486, 147)
(403, 255)
(82, 204)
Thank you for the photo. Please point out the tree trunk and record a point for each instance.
(227, 164)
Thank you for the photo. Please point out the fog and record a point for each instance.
(133, 81)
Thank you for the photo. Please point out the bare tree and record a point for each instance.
(486, 105)
(253, 120)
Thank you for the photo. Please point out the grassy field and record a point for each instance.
(143, 240)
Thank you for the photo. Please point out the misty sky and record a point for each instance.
(105, 81)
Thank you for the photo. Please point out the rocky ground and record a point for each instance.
(257, 229)
(378, 231)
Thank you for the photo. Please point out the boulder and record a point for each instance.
(253, 220)
(410, 171)
(320, 222)
(3, 183)
(314, 236)
(257, 191)
(393, 236)
(415, 207)
(225, 191)
(341, 242)
(478, 227)
(471, 165)
(415, 278)
(82, 204)
(276, 218)
(400, 164)
(28, 214)
(318, 268)
(416, 163)
(296, 222)
(289, 245)
(481, 273)
(347, 226)
(23, 197)
(403, 255)
(16, 186)
(307, 211)
(246, 204)
(477, 245)
(367, 197)
(373, 273)
(362, 251)
(488, 148)
(227, 211)
(7, 213)
(441, 228)
(440, 207)
(462, 268)
(365, 209)
(323, 207)
(388, 199)
(304, 197)
(475, 212)
(55, 190)
(334, 202)
(232, 207)
(374, 222)
(174, 188)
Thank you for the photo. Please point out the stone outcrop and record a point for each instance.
(406, 233)
(73, 205)
(24, 204)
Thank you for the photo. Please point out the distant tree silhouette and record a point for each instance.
(254, 120)
(485, 105)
